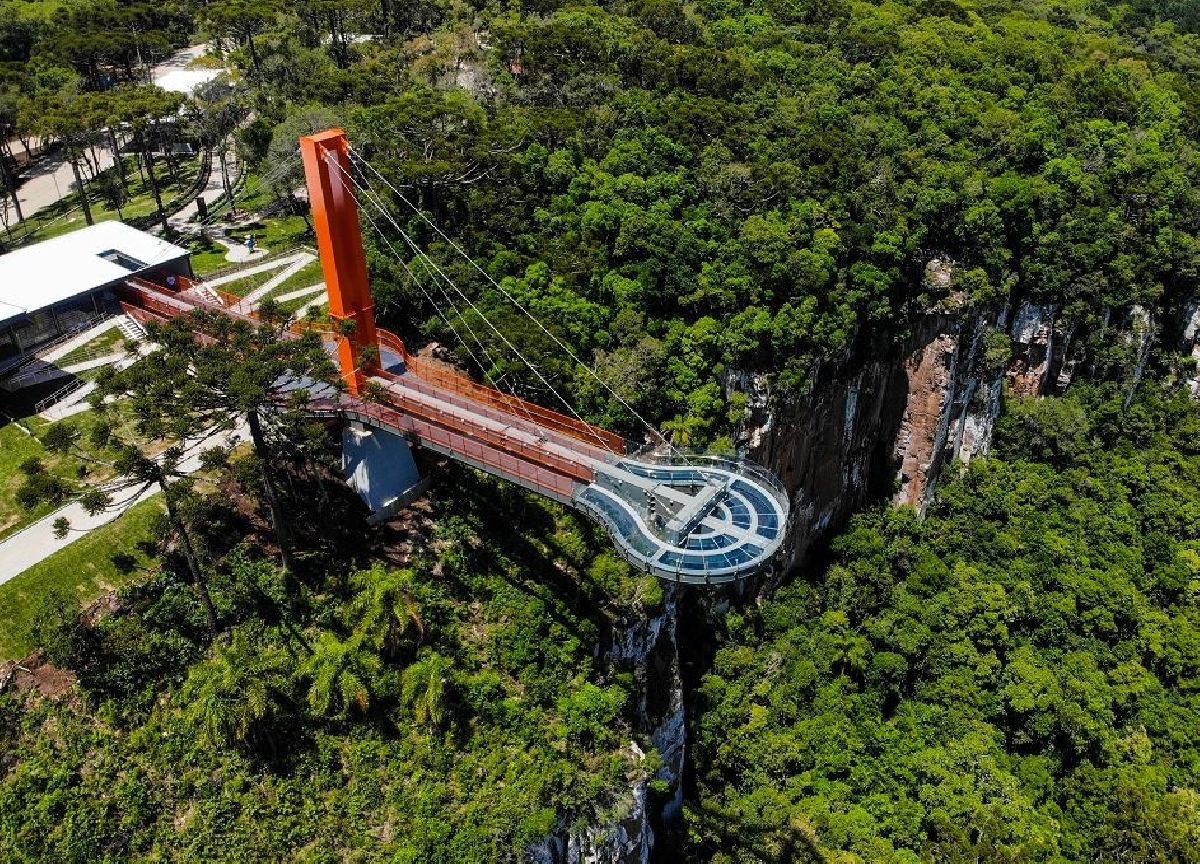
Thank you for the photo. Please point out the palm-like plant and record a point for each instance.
(423, 688)
(238, 694)
(385, 610)
(344, 676)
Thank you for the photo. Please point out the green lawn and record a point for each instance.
(307, 276)
(108, 342)
(255, 194)
(276, 234)
(280, 233)
(16, 447)
(208, 256)
(32, 10)
(243, 286)
(293, 305)
(107, 558)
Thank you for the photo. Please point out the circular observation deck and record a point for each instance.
(688, 518)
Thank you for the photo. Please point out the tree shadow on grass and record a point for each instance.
(517, 530)
(126, 563)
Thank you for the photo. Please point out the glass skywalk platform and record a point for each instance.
(698, 519)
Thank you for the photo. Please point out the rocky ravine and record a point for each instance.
(891, 415)
(649, 646)
(883, 421)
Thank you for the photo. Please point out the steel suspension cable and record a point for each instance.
(268, 178)
(428, 263)
(354, 154)
(373, 200)
(417, 250)
(413, 277)
(354, 185)
(369, 197)
(432, 302)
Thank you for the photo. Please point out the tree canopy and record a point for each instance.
(1012, 678)
(687, 195)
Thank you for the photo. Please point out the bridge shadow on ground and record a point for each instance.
(526, 542)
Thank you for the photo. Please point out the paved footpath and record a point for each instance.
(298, 263)
(246, 272)
(37, 542)
(51, 179)
(214, 193)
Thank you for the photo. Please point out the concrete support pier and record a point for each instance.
(380, 467)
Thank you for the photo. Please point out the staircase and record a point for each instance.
(132, 329)
(24, 371)
(35, 372)
(78, 389)
(48, 367)
(207, 293)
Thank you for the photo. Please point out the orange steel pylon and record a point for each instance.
(326, 158)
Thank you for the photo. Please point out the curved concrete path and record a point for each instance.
(35, 543)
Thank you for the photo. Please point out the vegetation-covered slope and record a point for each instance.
(678, 190)
(682, 189)
(450, 711)
(1012, 679)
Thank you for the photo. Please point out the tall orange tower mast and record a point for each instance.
(326, 158)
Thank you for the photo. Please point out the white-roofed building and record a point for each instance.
(185, 81)
(55, 286)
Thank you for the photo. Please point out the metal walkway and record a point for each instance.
(687, 519)
(695, 519)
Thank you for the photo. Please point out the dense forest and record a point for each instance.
(442, 705)
(681, 191)
(684, 189)
(1012, 678)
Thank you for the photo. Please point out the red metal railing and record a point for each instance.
(304, 325)
(575, 469)
(476, 440)
(147, 295)
(140, 314)
(459, 383)
(587, 447)
(392, 342)
(540, 469)
(187, 284)
(228, 299)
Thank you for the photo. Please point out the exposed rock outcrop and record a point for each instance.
(884, 421)
(626, 840)
(649, 647)
(895, 412)
(1190, 343)
(1033, 340)
(930, 374)
(1140, 338)
(823, 446)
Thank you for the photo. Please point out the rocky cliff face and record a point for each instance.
(888, 417)
(1190, 344)
(648, 646)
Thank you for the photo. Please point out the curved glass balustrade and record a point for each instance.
(699, 519)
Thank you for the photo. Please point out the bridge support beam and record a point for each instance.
(326, 158)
